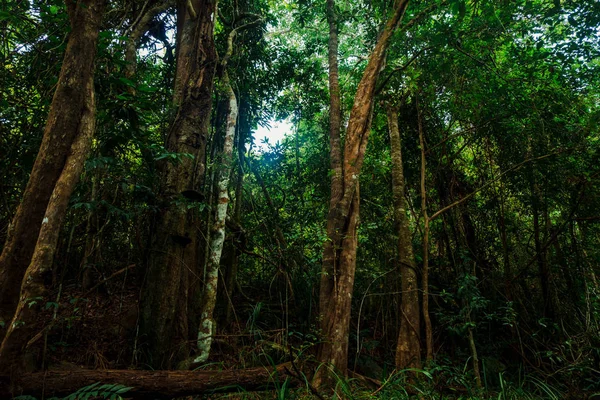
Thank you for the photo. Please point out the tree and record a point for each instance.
(480, 182)
(339, 254)
(172, 284)
(63, 126)
(408, 351)
(31, 243)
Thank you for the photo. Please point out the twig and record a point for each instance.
(299, 374)
(119, 272)
(488, 183)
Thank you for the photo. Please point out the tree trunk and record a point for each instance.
(335, 149)
(426, 220)
(474, 356)
(146, 384)
(505, 245)
(209, 298)
(62, 127)
(238, 239)
(541, 250)
(173, 263)
(339, 254)
(34, 289)
(408, 351)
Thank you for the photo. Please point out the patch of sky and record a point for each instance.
(272, 133)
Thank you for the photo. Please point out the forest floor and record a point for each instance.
(97, 330)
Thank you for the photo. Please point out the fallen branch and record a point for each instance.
(146, 384)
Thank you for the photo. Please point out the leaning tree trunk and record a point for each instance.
(339, 254)
(173, 263)
(207, 326)
(209, 298)
(62, 127)
(238, 234)
(408, 351)
(34, 290)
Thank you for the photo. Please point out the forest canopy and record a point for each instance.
(424, 223)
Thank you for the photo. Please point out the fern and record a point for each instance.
(107, 391)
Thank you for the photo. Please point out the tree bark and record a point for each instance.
(426, 221)
(408, 351)
(238, 234)
(62, 127)
(209, 298)
(173, 263)
(146, 384)
(339, 254)
(335, 149)
(34, 289)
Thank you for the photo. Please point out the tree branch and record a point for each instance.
(467, 197)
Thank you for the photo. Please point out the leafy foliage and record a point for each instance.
(508, 96)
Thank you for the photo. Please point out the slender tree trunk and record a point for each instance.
(91, 238)
(474, 355)
(425, 272)
(286, 262)
(408, 351)
(174, 259)
(62, 127)
(34, 289)
(540, 251)
(238, 240)
(335, 151)
(505, 246)
(339, 254)
(209, 298)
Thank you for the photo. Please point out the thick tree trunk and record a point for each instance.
(408, 351)
(339, 254)
(34, 288)
(146, 384)
(173, 263)
(209, 298)
(62, 127)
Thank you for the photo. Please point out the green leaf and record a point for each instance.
(124, 389)
(146, 89)
(5, 16)
(127, 82)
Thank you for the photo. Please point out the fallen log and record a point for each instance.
(146, 384)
